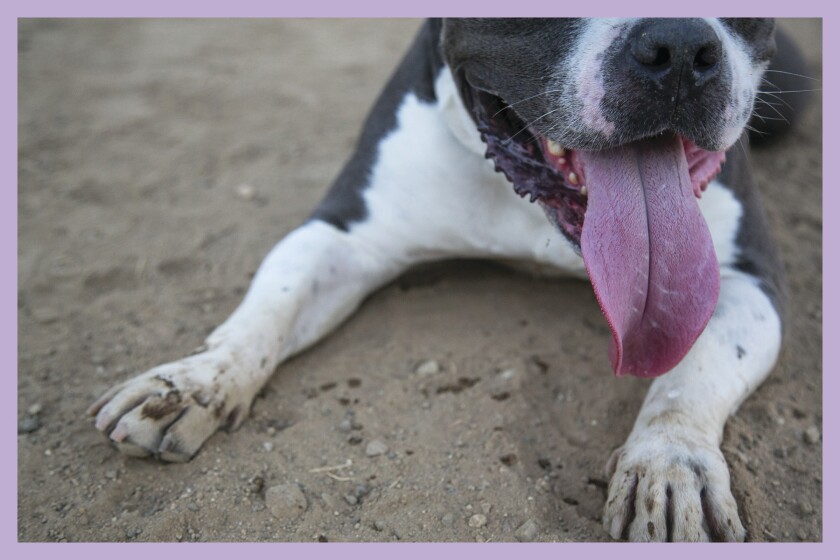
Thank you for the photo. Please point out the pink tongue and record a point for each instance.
(648, 252)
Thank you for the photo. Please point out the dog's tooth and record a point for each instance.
(573, 178)
(561, 161)
(584, 191)
(555, 149)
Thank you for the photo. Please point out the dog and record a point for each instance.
(612, 150)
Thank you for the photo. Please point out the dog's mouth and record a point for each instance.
(632, 212)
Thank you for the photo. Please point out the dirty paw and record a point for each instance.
(169, 411)
(663, 490)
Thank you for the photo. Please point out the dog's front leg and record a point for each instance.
(309, 282)
(670, 480)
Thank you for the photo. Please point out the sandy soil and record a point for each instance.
(135, 242)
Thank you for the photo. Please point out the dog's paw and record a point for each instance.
(169, 411)
(666, 489)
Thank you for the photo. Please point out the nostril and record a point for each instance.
(650, 55)
(662, 59)
(705, 59)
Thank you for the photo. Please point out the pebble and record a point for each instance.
(811, 435)
(268, 446)
(448, 520)
(375, 448)
(285, 501)
(802, 535)
(246, 192)
(345, 426)
(478, 520)
(361, 491)
(429, 367)
(806, 508)
(46, 315)
(29, 425)
(192, 506)
(111, 473)
(379, 525)
(35, 409)
(350, 499)
(527, 531)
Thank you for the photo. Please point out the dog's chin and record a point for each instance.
(555, 175)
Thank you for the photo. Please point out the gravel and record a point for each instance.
(811, 435)
(429, 367)
(285, 501)
(375, 448)
(527, 531)
(29, 425)
(478, 520)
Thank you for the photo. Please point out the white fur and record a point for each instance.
(584, 68)
(746, 78)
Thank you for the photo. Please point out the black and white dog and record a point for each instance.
(619, 130)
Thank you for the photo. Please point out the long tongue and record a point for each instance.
(648, 252)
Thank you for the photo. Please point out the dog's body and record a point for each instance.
(419, 189)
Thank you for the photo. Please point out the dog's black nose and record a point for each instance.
(679, 56)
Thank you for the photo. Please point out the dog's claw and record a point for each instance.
(671, 492)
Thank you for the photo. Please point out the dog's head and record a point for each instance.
(615, 126)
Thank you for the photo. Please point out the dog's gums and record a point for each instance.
(637, 196)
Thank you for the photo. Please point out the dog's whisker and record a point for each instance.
(792, 91)
(510, 105)
(527, 126)
(783, 118)
(794, 74)
(785, 103)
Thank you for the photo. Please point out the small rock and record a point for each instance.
(379, 525)
(46, 315)
(361, 491)
(806, 508)
(448, 520)
(486, 507)
(527, 531)
(350, 499)
(111, 473)
(429, 367)
(285, 501)
(246, 192)
(35, 409)
(811, 435)
(506, 374)
(192, 506)
(375, 448)
(268, 446)
(345, 426)
(802, 535)
(29, 425)
(478, 520)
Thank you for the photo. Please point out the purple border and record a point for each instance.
(380, 8)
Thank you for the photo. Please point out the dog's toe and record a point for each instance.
(167, 412)
(671, 493)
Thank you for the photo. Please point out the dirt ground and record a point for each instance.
(137, 238)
